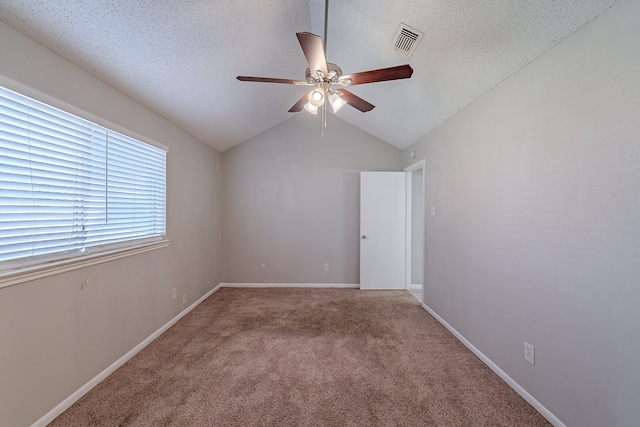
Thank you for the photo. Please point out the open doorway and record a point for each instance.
(415, 229)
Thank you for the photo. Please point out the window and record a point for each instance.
(69, 187)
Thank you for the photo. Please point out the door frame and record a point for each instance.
(409, 199)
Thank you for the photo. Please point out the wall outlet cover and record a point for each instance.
(529, 353)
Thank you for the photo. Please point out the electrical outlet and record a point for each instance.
(433, 211)
(529, 353)
(174, 293)
(184, 298)
(326, 266)
(263, 267)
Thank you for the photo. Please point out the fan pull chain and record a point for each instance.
(323, 124)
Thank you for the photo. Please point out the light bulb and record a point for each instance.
(316, 97)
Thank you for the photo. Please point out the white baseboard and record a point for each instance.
(415, 287)
(75, 396)
(290, 285)
(514, 385)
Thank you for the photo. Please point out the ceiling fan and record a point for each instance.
(325, 76)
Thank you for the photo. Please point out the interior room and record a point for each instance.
(519, 130)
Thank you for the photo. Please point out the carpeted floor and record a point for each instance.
(304, 357)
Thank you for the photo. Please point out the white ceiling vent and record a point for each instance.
(406, 39)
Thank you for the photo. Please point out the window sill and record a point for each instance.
(34, 272)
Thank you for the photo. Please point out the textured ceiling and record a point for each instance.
(180, 57)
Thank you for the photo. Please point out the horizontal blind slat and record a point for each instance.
(67, 184)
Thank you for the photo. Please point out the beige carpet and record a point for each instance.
(304, 357)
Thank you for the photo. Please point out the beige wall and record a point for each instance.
(291, 200)
(55, 337)
(537, 232)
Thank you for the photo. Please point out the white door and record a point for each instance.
(382, 230)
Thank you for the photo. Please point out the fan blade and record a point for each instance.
(314, 52)
(381, 75)
(272, 80)
(298, 106)
(355, 101)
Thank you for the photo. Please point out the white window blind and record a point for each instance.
(69, 186)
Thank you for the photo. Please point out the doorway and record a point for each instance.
(415, 229)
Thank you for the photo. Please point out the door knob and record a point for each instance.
(364, 236)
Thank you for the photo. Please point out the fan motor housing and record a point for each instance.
(335, 73)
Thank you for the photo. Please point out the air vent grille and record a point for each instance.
(406, 39)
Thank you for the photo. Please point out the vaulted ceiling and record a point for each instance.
(180, 58)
